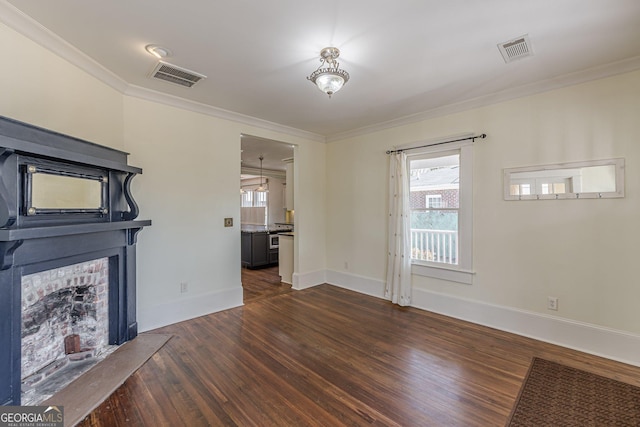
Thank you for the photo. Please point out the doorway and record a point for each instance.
(262, 283)
(266, 206)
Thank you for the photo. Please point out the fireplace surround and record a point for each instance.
(63, 201)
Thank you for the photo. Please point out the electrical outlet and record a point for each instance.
(552, 303)
(228, 222)
(346, 265)
(184, 287)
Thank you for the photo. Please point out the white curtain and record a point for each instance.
(398, 285)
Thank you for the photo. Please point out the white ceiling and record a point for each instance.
(407, 58)
(273, 152)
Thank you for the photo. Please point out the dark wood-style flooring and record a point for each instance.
(326, 356)
(262, 283)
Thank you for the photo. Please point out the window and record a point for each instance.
(434, 201)
(440, 203)
(524, 187)
(434, 188)
(254, 207)
(247, 199)
(253, 198)
(520, 189)
(553, 188)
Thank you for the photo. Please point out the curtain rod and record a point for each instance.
(472, 138)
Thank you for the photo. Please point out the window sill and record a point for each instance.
(441, 272)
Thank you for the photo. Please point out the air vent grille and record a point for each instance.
(174, 74)
(516, 49)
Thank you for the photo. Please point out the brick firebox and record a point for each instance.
(63, 302)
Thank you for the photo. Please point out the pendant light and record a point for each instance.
(261, 188)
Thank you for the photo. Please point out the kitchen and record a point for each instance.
(266, 200)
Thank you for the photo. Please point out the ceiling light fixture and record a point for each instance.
(261, 188)
(331, 78)
(158, 51)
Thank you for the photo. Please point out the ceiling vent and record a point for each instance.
(174, 74)
(517, 48)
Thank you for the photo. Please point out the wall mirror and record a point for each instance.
(577, 180)
(57, 191)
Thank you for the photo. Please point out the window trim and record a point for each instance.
(442, 272)
(463, 272)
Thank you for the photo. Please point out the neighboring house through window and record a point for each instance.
(434, 201)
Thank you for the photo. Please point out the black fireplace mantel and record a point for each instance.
(34, 239)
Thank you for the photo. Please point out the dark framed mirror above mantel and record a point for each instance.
(62, 201)
(51, 188)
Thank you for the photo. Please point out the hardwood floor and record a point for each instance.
(326, 356)
(262, 283)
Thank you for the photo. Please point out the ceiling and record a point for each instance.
(407, 58)
(272, 152)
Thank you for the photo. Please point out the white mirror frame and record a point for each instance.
(619, 180)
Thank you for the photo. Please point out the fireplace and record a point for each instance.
(65, 326)
(64, 311)
(68, 234)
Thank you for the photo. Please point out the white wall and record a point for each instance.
(581, 251)
(310, 195)
(187, 187)
(40, 88)
(190, 183)
(190, 180)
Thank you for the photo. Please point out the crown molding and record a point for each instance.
(583, 76)
(197, 107)
(33, 30)
(30, 28)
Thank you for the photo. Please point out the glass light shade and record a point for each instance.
(329, 83)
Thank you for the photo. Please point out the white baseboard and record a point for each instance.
(308, 280)
(188, 308)
(364, 285)
(589, 338)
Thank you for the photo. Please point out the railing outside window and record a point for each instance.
(434, 245)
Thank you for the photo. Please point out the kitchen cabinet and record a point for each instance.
(255, 249)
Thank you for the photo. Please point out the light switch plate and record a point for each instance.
(228, 222)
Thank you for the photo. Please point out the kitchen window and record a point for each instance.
(441, 217)
(253, 198)
(254, 207)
